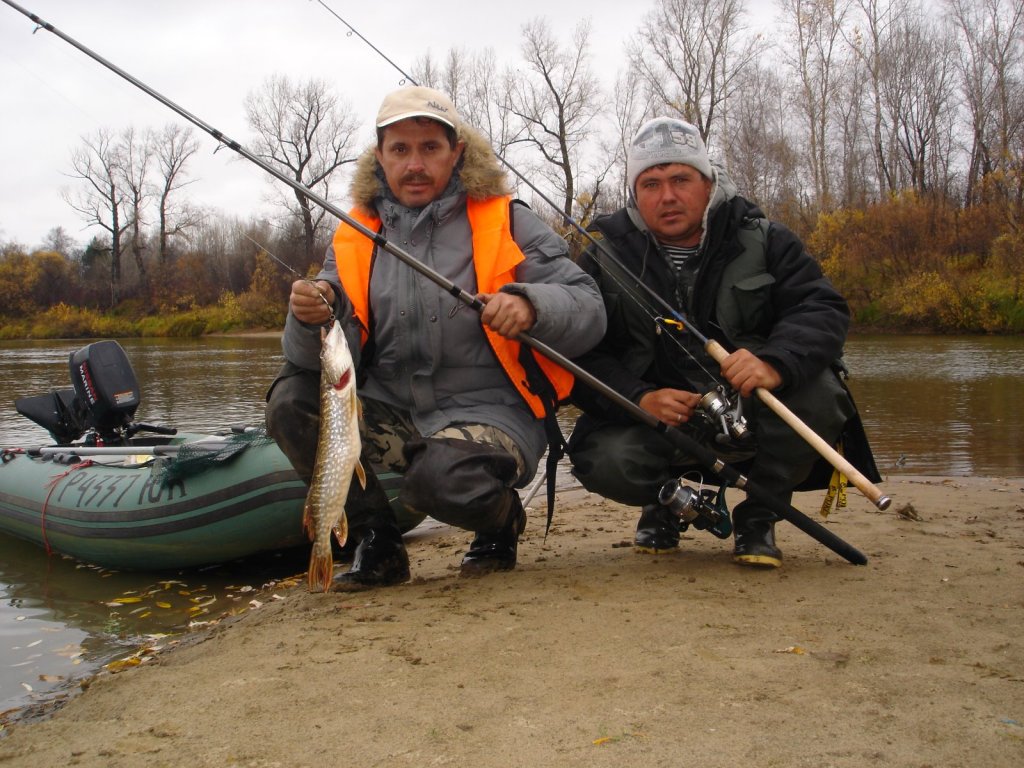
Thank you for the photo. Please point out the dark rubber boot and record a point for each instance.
(657, 531)
(496, 550)
(380, 558)
(754, 531)
(380, 561)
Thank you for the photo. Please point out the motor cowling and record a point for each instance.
(106, 389)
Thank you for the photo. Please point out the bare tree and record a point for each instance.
(814, 58)
(856, 156)
(632, 106)
(556, 102)
(472, 81)
(59, 241)
(760, 154)
(991, 33)
(308, 133)
(690, 53)
(871, 42)
(136, 156)
(171, 149)
(917, 86)
(100, 199)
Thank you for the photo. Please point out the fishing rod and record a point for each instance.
(683, 441)
(713, 348)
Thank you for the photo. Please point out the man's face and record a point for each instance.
(417, 160)
(671, 199)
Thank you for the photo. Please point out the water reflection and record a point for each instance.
(941, 405)
(60, 621)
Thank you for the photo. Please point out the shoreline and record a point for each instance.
(589, 654)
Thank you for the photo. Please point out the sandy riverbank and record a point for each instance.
(591, 655)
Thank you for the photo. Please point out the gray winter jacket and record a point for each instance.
(427, 352)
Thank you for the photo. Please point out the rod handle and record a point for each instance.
(830, 454)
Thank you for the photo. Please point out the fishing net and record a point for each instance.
(197, 457)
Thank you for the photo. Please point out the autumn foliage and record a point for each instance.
(48, 295)
(913, 265)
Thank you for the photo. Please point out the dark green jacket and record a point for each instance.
(756, 287)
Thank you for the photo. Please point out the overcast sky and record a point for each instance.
(206, 55)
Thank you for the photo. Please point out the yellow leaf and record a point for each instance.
(120, 664)
(125, 600)
(163, 605)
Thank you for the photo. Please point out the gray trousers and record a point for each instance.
(463, 475)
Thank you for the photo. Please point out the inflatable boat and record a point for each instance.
(107, 495)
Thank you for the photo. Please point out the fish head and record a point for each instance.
(336, 366)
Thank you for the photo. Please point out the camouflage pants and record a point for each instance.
(462, 475)
(388, 429)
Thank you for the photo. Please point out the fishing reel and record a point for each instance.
(725, 415)
(703, 508)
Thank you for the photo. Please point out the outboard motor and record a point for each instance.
(106, 389)
(103, 399)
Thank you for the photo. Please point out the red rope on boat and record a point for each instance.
(9, 454)
(52, 485)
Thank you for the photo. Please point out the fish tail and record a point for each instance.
(321, 570)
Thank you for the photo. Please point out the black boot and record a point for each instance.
(496, 550)
(657, 531)
(754, 530)
(380, 561)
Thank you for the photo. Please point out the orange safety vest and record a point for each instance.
(495, 256)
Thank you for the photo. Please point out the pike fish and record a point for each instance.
(337, 457)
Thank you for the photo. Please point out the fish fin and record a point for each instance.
(341, 530)
(361, 474)
(307, 521)
(321, 571)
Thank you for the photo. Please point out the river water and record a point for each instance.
(931, 406)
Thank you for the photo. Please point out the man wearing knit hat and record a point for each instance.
(743, 281)
(450, 400)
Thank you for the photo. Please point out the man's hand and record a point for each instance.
(507, 314)
(745, 371)
(671, 406)
(311, 302)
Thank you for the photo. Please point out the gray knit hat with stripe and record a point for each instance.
(666, 140)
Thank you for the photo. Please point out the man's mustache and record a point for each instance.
(416, 178)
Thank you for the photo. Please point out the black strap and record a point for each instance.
(540, 385)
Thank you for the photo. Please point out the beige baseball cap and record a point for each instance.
(417, 101)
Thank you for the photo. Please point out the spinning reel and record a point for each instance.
(724, 415)
(703, 508)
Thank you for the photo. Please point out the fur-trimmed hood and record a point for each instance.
(479, 172)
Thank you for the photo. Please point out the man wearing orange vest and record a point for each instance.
(450, 399)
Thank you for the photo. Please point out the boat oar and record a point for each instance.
(125, 450)
(690, 445)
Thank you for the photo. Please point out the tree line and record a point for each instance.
(888, 133)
